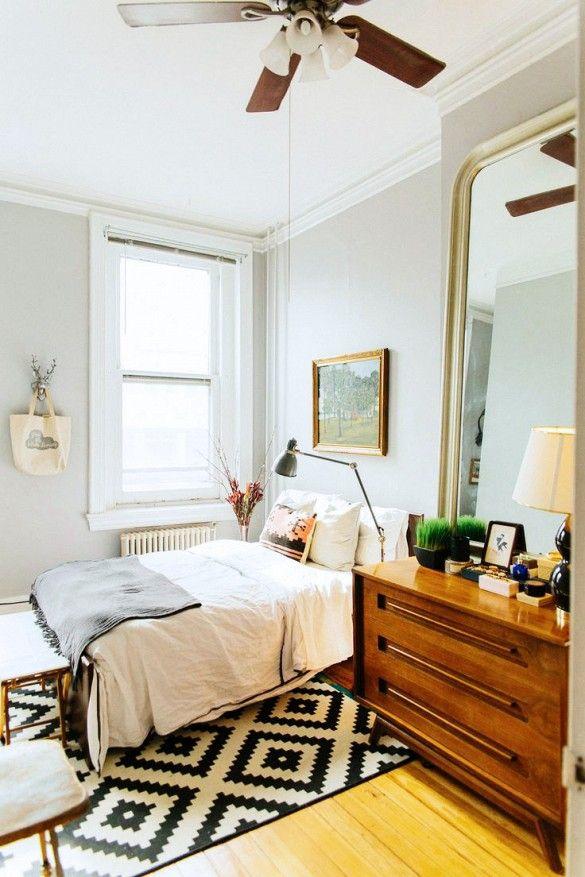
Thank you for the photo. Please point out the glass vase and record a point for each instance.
(244, 529)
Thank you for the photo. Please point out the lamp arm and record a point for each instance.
(321, 457)
(361, 484)
(367, 499)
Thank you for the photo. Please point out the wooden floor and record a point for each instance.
(411, 821)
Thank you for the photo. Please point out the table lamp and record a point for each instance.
(545, 481)
(286, 465)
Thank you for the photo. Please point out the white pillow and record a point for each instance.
(308, 499)
(336, 532)
(395, 525)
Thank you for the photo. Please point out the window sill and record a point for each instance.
(158, 516)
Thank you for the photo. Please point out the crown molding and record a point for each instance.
(406, 165)
(536, 268)
(534, 31)
(65, 199)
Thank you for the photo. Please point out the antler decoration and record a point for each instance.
(42, 381)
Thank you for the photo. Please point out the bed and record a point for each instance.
(265, 625)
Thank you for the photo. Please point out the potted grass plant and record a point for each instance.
(433, 539)
(467, 529)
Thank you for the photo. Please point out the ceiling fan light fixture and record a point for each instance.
(276, 55)
(340, 48)
(313, 67)
(304, 34)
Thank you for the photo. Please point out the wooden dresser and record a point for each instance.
(473, 682)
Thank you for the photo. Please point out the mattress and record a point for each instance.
(266, 623)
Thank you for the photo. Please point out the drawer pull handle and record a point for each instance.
(492, 695)
(478, 740)
(452, 630)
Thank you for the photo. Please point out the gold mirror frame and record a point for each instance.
(529, 133)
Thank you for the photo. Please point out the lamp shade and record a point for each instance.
(340, 48)
(276, 55)
(286, 463)
(304, 34)
(545, 480)
(313, 67)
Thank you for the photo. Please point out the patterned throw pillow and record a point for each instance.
(288, 532)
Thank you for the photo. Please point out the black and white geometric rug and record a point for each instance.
(201, 785)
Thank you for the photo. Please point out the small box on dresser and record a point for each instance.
(474, 683)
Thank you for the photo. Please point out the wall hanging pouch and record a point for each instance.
(40, 442)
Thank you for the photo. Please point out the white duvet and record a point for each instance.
(265, 622)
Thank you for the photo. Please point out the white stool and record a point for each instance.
(38, 791)
(26, 659)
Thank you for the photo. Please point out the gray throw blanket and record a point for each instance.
(81, 601)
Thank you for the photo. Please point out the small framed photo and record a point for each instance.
(503, 540)
(474, 471)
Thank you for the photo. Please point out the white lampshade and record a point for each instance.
(276, 55)
(340, 48)
(545, 480)
(313, 67)
(304, 34)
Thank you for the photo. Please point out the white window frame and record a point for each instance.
(108, 509)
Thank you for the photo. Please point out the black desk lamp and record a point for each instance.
(286, 465)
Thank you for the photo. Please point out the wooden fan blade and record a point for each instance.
(392, 55)
(204, 12)
(562, 148)
(271, 89)
(541, 201)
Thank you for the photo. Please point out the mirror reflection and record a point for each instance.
(520, 335)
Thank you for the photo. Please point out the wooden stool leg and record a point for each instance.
(66, 685)
(4, 710)
(55, 845)
(61, 699)
(549, 845)
(46, 869)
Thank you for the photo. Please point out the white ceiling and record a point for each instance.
(157, 114)
(504, 249)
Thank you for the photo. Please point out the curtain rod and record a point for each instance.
(170, 248)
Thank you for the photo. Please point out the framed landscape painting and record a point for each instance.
(350, 403)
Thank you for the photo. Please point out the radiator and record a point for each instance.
(169, 539)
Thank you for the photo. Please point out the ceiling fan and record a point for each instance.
(562, 148)
(308, 29)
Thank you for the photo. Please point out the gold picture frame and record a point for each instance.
(350, 403)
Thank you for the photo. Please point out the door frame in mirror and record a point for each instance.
(551, 123)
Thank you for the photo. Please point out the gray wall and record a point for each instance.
(44, 308)
(369, 278)
(531, 383)
(44, 301)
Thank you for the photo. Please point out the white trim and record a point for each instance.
(534, 31)
(277, 302)
(152, 516)
(483, 316)
(65, 199)
(544, 265)
(102, 493)
(413, 161)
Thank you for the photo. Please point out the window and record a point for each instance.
(170, 369)
(169, 372)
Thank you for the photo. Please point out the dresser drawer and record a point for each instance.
(495, 656)
(492, 711)
(522, 768)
